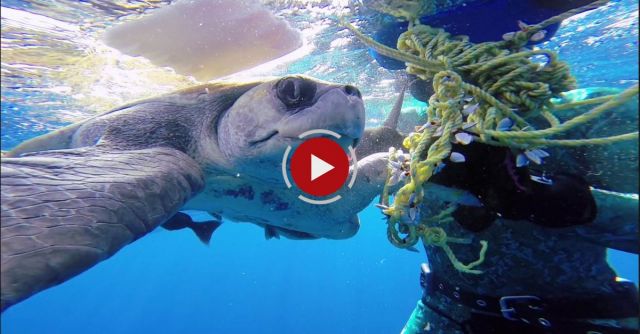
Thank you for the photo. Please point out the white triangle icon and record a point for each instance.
(319, 167)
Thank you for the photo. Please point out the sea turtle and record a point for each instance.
(74, 197)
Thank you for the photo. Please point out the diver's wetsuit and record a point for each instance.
(527, 255)
(560, 261)
(522, 259)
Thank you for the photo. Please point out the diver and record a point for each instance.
(480, 20)
(545, 270)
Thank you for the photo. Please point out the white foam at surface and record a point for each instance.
(206, 39)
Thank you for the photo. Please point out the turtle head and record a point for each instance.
(256, 131)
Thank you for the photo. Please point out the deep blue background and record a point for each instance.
(168, 282)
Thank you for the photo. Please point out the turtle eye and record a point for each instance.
(295, 92)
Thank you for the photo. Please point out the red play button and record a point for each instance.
(319, 166)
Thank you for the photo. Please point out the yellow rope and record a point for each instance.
(572, 123)
(427, 150)
(467, 268)
(561, 17)
(393, 53)
(573, 105)
(551, 118)
(583, 142)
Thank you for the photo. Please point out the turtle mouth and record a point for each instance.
(344, 140)
(264, 138)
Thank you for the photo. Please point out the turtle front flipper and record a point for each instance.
(65, 211)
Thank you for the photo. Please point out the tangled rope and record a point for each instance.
(428, 148)
(483, 92)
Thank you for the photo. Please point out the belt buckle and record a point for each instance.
(508, 309)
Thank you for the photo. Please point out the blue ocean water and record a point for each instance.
(168, 282)
(242, 283)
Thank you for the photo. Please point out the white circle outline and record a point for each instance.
(319, 131)
(284, 166)
(354, 160)
(320, 202)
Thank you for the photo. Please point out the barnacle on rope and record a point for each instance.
(482, 92)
